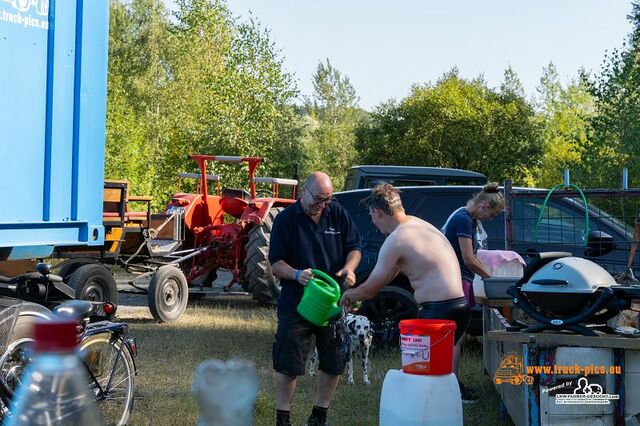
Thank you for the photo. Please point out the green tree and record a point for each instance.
(200, 82)
(380, 135)
(332, 116)
(564, 114)
(511, 88)
(126, 149)
(615, 141)
(456, 123)
(138, 40)
(333, 93)
(230, 94)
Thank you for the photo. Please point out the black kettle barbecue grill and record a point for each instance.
(563, 292)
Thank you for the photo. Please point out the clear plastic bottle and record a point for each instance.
(55, 387)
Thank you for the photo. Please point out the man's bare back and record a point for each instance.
(420, 251)
(424, 255)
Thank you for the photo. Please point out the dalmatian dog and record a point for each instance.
(360, 335)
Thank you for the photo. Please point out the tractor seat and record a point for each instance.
(234, 201)
(236, 193)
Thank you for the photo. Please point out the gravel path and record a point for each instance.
(136, 305)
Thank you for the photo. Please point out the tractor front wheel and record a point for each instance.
(168, 294)
(258, 277)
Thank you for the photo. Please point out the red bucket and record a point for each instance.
(427, 346)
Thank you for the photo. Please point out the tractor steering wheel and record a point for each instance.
(264, 193)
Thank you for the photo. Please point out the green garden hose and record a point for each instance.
(586, 212)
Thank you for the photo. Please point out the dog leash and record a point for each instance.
(346, 338)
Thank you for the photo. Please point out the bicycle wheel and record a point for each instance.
(18, 354)
(114, 371)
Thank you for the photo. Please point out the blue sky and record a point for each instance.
(386, 46)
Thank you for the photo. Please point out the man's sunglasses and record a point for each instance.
(316, 200)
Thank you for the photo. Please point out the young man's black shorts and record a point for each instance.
(453, 309)
(293, 342)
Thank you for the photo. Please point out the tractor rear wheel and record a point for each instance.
(258, 277)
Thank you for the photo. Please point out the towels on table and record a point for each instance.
(500, 263)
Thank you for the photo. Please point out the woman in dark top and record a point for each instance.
(462, 228)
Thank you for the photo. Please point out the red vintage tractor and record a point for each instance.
(197, 235)
(241, 245)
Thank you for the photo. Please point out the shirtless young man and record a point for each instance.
(421, 252)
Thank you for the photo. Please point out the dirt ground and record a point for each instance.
(132, 305)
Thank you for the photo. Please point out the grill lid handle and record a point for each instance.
(550, 282)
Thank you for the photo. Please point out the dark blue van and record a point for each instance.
(368, 176)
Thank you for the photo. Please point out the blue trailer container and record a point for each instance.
(53, 74)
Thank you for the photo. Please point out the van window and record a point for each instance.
(464, 181)
(350, 180)
(561, 222)
(373, 181)
(434, 208)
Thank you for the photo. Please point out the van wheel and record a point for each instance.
(385, 312)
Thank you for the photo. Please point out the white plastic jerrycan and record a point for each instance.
(412, 400)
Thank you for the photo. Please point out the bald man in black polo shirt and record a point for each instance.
(314, 233)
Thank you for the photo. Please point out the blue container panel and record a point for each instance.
(22, 114)
(59, 147)
(53, 72)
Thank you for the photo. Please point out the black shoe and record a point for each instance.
(315, 422)
(283, 418)
(468, 396)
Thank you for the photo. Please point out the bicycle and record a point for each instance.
(104, 347)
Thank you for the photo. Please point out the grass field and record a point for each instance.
(223, 329)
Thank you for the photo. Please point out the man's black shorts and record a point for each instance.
(293, 341)
(453, 309)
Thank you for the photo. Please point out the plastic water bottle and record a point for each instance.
(55, 387)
